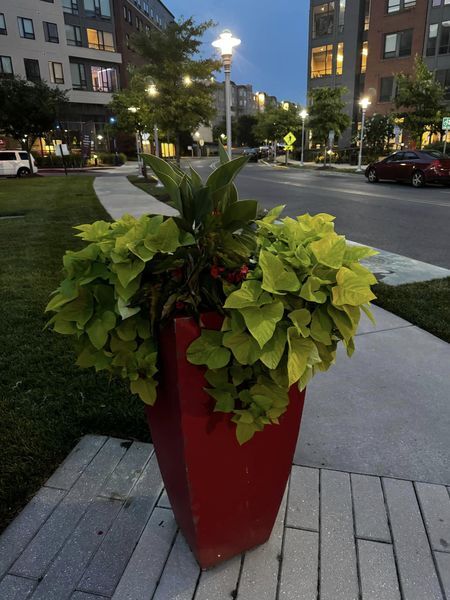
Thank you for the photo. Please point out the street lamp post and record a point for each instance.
(152, 91)
(364, 103)
(225, 44)
(134, 110)
(304, 116)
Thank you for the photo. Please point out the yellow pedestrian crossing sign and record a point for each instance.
(290, 138)
(289, 148)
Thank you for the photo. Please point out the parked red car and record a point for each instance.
(416, 166)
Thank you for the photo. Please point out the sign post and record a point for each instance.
(289, 139)
(62, 150)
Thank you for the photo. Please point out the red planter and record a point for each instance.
(225, 497)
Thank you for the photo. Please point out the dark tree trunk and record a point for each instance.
(178, 148)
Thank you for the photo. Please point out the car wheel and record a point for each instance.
(372, 176)
(418, 179)
(23, 172)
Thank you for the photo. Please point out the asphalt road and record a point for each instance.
(390, 216)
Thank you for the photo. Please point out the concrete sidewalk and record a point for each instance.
(102, 528)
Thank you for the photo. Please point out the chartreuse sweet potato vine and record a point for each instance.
(289, 290)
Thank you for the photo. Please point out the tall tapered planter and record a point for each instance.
(225, 497)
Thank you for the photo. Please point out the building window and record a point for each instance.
(341, 15)
(3, 30)
(323, 19)
(104, 79)
(387, 85)
(78, 74)
(439, 2)
(444, 41)
(73, 35)
(26, 28)
(367, 6)
(443, 76)
(100, 40)
(70, 6)
(364, 55)
(56, 72)
(97, 8)
(339, 58)
(432, 39)
(322, 61)
(394, 6)
(51, 32)
(32, 70)
(398, 44)
(6, 69)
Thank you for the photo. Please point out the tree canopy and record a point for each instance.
(274, 123)
(183, 80)
(29, 110)
(326, 113)
(419, 101)
(377, 132)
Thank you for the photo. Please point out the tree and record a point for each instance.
(274, 123)
(29, 110)
(326, 114)
(419, 101)
(183, 81)
(377, 132)
(244, 129)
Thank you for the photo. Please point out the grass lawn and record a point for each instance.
(426, 304)
(46, 403)
(149, 187)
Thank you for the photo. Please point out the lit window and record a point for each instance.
(104, 79)
(339, 58)
(100, 40)
(364, 55)
(323, 19)
(56, 72)
(322, 61)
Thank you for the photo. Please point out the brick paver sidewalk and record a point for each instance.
(102, 528)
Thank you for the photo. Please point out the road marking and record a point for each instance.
(354, 192)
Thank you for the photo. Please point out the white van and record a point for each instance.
(14, 163)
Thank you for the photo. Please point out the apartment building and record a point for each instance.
(363, 44)
(77, 45)
(437, 42)
(244, 101)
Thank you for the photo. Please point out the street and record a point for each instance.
(390, 216)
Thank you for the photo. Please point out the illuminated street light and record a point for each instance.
(187, 80)
(364, 104)
(304, 115)
(225, 45)
(152, 91)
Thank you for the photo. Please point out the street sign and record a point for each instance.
(446, 123)
(289, 148)
(331, 137)
(289, 138)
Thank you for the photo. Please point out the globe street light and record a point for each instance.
(304, 115)
(364, 103)
(133, 110)
(225, 44)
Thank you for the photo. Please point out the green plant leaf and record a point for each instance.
(342, 322)
(245, 432)
(99, 328)
(273, 214)
(352, 287)
(238, 213)
(311, 290)
(165, 239)
(225, 174)
(274, 349)
(223, 155)
(224, 400)
(128, 271)
(244, 347)
(261, 321)
(321, 326)
(217, 377)
(146, 390)
(276, 277)
(208, 350)
(196, 180)
(250, 294)
(357, 253)
(330, 250)
(299, 352)
(301, 318)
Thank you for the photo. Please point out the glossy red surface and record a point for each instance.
(225, 497)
